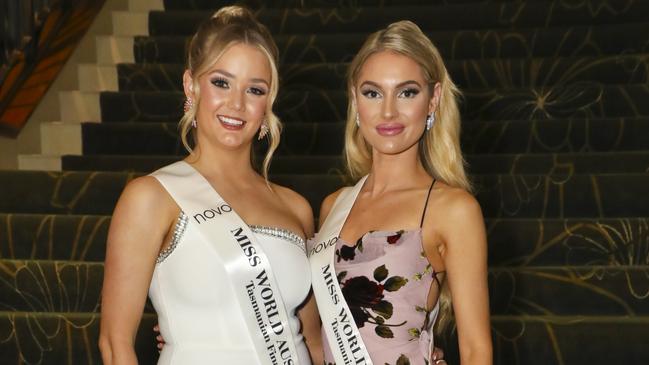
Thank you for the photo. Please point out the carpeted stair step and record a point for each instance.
(558, 41)
(64, 286)
(501, 196)
(484, 15)
(556, 135)
(524, 163)
(255, 4)
(512, 242)
(61, 192)
(63, 338)
(53, 237)
(579, 163)
(566, 290)
(310, 104)
(471, 74)
(543, 340)
(613, 242)
(511, 137)
(50, 286)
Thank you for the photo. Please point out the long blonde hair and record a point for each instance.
(439, 148)
(228, 26)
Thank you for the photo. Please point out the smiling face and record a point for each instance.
(393, 100)
(233, 97)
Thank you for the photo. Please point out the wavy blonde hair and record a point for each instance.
(439, 148)
(227, 27)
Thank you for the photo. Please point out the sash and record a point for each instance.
(245, 262)
(344, 338)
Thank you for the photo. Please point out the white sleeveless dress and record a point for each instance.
(199, 315)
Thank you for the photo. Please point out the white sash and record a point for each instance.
(344, 338)
(247, 265)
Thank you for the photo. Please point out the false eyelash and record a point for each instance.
(219, 80)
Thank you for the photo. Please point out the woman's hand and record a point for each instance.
(159, 338)
(438, 356)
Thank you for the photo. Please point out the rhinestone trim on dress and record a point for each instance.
(179, 230)
(181, 225)
(282, 233)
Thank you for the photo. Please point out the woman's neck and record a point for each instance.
(223, 164)
(396, 172)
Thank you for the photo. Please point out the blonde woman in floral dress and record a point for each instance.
(394, 249)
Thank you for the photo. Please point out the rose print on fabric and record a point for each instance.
(366, 300)
(348, 253)
(403, 360)
(392, 239)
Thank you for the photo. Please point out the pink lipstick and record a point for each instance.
(389, 129)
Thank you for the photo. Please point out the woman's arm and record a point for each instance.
(140, 221)
(465, 258)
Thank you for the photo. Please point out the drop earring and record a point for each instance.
(187, 106)
(358, 121)
(263, 130)
(189, 103)
(430, 120)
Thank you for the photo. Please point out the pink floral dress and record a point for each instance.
(386, 279)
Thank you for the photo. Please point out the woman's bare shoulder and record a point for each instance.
(457, 204)
(455, 212)
(146, 194)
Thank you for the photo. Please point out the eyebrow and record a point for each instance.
(401, 84)
(229, 75)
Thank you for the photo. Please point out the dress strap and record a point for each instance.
(423, 214)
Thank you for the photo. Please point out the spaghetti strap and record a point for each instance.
(423, 214)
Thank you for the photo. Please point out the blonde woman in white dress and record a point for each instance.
(219, 249)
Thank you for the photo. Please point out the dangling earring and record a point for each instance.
(187, 106)
(429, 121)
(263, 130)
(189, 103)
(358, 121)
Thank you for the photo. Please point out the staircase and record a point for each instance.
(555, 129)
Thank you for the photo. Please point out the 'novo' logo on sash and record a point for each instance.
(211, 213)
(323, 245)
